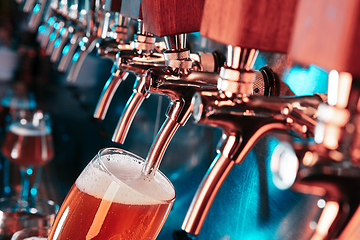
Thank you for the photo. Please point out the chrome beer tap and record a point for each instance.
(244, 119)
(173, 81)
(136, 61)
(40, 12)
(328, 166)
(50, 23)
(178, 82)
(143, 56)
(104, 20)
(76, 39)
(70, 16)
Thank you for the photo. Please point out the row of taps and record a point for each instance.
(322, 158)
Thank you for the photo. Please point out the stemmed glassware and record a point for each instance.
(29, 144)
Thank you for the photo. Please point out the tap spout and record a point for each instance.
(86, 46)
(235, 149)
(108, 92)
(159, 146)
(130, 110)
(40, 9)
(69, 51)
(243, 124)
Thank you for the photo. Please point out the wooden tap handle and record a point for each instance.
(131, 8)
(260, 24)
(326, 33)
(171, 17)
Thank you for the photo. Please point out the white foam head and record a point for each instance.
(126, 184)
(35, 238)
(29, 129)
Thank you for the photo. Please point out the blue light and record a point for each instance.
(56, 25)
(57, 42)
(29, 171)
(62, 31)
(33, 191)
(7, 189)
(36, 8)
(51, 21)
(52, 36)
(306, 81)
(66, 50)
(42, 28)
(76, 57)
(81, 43)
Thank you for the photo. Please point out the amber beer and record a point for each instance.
(28, 144)
(111, 199)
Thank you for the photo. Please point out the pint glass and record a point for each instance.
(112, 199)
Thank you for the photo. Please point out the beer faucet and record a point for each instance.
(136, 61)
(82, 21)
(51, 22)
(146, 53)
(59, 33)
(106, 14)
(40, 11)
(244, 119)
(329, 166)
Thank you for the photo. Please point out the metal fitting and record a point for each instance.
(144, 42)
(236, 81)
(178, 59)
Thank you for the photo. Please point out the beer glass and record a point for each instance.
(16, 214)
(16, 98)
(29, 144)
(113, 199)
(32, 234)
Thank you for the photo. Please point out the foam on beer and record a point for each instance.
(35, 238)
(130, 187)
(29, 130)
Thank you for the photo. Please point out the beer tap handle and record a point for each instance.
(108, 92)
(49, 19)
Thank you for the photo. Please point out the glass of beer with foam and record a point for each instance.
(113, 199)
(29, 145)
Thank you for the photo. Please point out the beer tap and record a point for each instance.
(50, 23)
(105, 18)
(243, 117)
(59, 34)
(144, 55)
(328, 166)
(40, 12)
(136, 61)
(26, 5)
